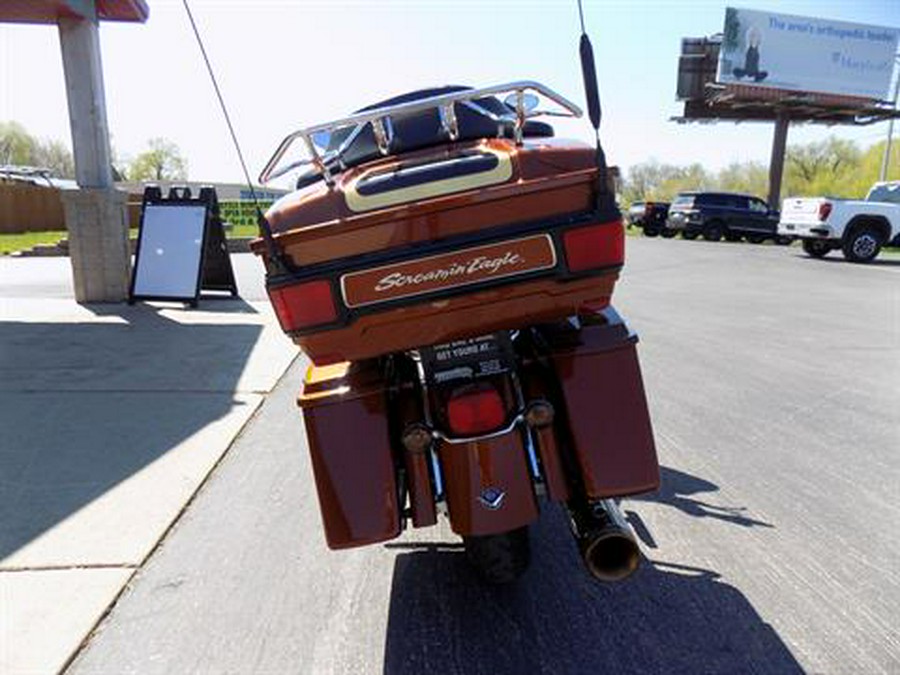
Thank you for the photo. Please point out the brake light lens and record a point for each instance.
(473, 411)
(595, 246)
(824, 211)
(303, 305)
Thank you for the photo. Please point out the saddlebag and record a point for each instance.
(605, 406)
(345, 413)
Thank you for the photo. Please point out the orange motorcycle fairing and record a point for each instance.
(424, 258)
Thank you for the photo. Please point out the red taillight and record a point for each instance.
(594, 246)
(824, 210)
(303, 305)
(475, 411)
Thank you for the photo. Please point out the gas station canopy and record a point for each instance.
(50, 11)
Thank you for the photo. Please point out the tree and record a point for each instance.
(748, 177)
(652, 180)
(54, 155)
(833, 167)
(19, 148)
(822, 168)
(163, 161)
(16, 144)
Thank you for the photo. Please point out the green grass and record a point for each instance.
(10, 243)
(242, 232)
(18, 242)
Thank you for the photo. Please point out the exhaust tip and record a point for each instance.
(607, 544)
(611, 557)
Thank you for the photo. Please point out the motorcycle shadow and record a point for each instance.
(680, 490)
(667, 618)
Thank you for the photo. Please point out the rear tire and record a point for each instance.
(756, 238)
(713, 231)
(816, 248)
(499, 558)
(650, 231)
(783, 240)
(862, 245)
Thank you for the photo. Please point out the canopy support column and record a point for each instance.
(96, 214)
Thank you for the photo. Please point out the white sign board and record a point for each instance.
(798, 53)
(170, 251)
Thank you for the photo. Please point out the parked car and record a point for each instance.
(651, 217)
(858, 228)
(723, 214)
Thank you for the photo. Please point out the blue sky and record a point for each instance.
(284, 64)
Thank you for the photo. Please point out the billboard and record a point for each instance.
(799, 53)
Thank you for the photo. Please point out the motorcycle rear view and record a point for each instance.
(448, 266)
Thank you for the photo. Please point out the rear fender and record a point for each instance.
(488, 484)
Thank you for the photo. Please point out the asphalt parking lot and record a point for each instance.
(772, 547)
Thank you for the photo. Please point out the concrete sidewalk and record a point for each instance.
(112, 418)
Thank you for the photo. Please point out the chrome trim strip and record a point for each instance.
(517, 420)
(437, 475)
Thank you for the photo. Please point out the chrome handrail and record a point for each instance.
(379, 118)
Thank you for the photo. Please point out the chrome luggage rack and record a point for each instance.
(524, 105)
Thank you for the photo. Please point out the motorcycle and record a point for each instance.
(448, 265)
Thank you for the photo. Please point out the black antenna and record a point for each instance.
(276, 260)
(589, 75)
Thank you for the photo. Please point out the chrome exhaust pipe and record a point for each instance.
(606, 541)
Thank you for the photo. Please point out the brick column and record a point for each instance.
(97, 220)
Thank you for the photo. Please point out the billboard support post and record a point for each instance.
(776, 163)
(886, 160)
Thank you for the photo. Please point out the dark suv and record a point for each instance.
(724, 214)
(651, 216)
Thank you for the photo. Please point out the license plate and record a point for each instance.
(468, 359)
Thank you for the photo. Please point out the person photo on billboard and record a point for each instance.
(751, 59)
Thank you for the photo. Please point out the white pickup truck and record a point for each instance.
(858, 228)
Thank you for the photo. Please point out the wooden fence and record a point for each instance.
(25, 207)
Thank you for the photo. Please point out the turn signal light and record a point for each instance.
(539, 414)
(303, 305)
(473, 411)
(824, 210)
(595, 246)
(416, 438)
